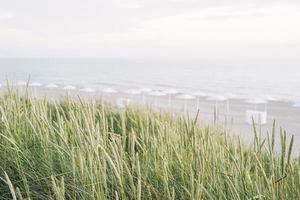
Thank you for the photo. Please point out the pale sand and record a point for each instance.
(287, 116)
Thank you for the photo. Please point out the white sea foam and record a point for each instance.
(145, 90)
(170, 91)
(297, 105)
(51, 85)
(270, 98)
(88, 90)
(35, 84)
(257, 101)
(232, 96)
(133, 91)
(185, 96)
(217, 98)
(157, 93)
(200, 94)
(69, 87)
(109, 90)
(21, 83)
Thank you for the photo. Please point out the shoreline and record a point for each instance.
(231, 115)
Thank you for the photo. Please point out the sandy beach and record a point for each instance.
(231, 113)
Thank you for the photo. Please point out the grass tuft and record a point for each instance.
(78, 149)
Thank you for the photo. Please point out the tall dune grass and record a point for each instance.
(76, 149)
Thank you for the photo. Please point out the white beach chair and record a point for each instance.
(122, 103)
(258, 117)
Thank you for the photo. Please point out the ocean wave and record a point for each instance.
(51, 85)
(69, 87)
(109, 90)
(88, 90)
(297, 105)
(35, 84)
(21, 83)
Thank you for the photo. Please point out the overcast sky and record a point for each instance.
(150, 28)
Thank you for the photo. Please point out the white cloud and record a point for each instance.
(235, 25)
(142, 28)
(131, 4)
(6, 15)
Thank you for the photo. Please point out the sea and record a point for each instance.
(278, 80)
(276, 83)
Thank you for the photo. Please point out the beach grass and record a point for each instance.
(83, 149)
